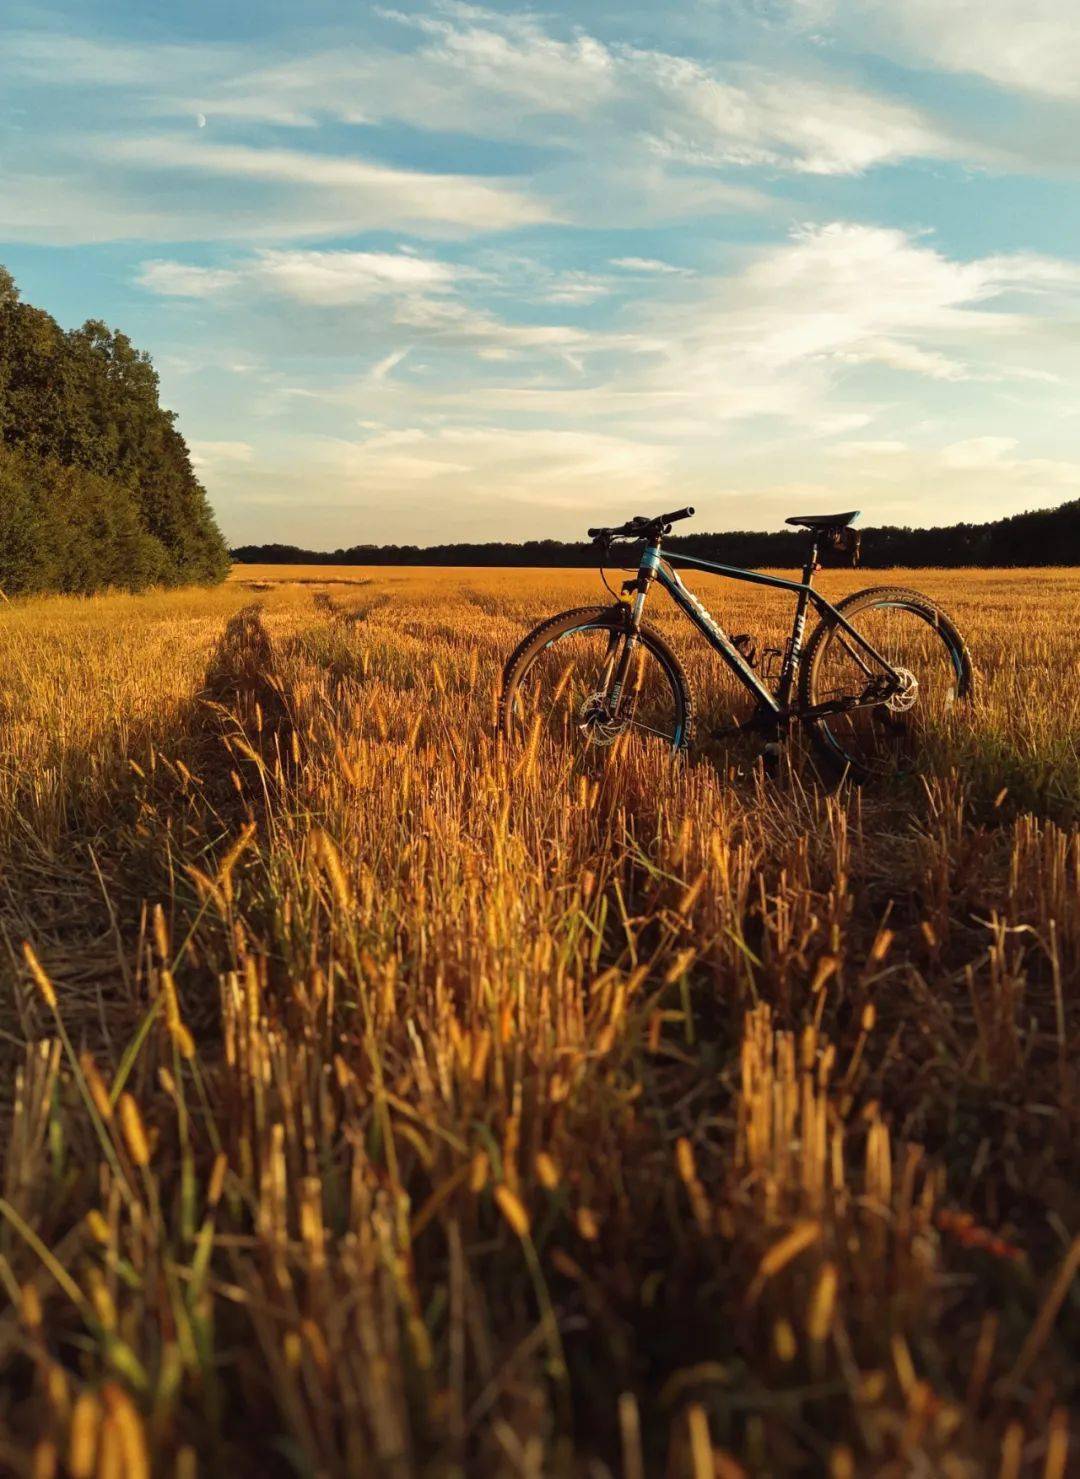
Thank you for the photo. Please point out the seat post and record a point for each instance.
(793, 652)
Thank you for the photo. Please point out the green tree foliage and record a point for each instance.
(96, 485)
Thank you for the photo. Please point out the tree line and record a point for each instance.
(96, 484)
(1046, 537)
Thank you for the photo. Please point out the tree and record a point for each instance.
(87, 401)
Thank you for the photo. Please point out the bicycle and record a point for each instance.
(881, 669)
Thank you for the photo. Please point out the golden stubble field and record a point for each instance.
(377, 1103)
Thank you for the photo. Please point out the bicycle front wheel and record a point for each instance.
(557, 685)
(925, 649)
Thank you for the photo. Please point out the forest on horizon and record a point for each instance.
(1044, 537)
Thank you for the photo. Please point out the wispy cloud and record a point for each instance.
(647, 265)
(419, 293)
(183, 280)
(1031, 46)
(634, 132)
(477, 59)
(383, 196)
(779, 338)
(421, 256)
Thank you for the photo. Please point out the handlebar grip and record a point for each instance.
(596, 533)
(679, 513)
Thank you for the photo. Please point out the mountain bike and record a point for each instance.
(883, 669)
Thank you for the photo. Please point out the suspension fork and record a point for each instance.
(650, 563)
(793, 655)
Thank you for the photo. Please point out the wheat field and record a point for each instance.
(380, 1102)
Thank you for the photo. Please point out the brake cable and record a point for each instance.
(603, 577)
(605, 551)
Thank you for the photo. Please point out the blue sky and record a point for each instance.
(424, 272)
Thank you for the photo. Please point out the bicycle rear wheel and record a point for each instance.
(557, 685)
(924, 647)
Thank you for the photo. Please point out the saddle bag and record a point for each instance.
(839, 547)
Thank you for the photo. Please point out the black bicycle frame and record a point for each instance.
(655, 567)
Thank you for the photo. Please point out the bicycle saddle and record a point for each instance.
(824, 521)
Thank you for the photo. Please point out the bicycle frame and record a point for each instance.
(655, 567)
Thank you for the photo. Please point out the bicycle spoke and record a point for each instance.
(664, 734)
(850, 649)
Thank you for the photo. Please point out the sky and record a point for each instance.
(427, 272)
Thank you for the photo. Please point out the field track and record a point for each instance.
(377, 1102)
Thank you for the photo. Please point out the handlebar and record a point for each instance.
(640, 525)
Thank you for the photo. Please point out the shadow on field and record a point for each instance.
(242, 677)
(82, 894)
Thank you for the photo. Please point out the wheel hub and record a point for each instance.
(906, 696)
(596, 723)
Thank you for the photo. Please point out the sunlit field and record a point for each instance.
(382, 1100)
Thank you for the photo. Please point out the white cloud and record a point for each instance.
(321, 279)
(784, 336)
(1027, 45)
(375, 193)
(401, 291)
(61, 201)
(385, 367)
(821, 128)
(835, 287)
(519, 278)
(50, 56)
(648, 265)
(615, 133)
(512, 56)
(777, 337)
(627, 134)
(180, 280)
(339, 278)
(453, 322)
(900, 356)
(477, 60)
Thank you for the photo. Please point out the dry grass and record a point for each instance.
(378, 1103)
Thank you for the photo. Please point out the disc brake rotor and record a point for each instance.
(906, 696)
(595, 722)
